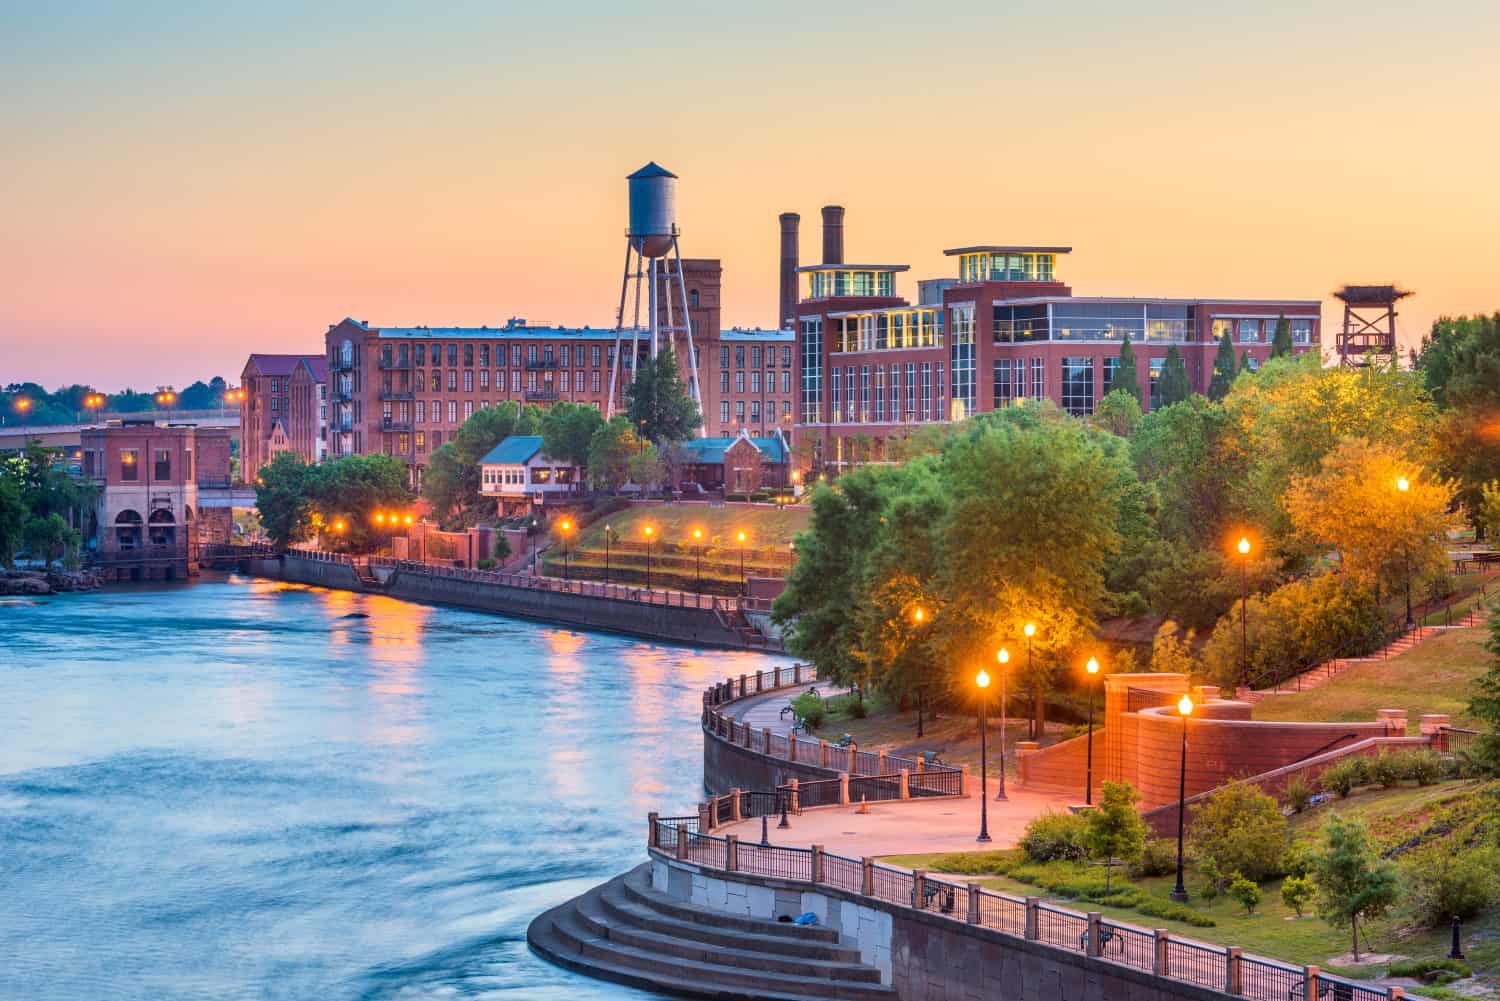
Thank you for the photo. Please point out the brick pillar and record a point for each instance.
(823, 753)
(653, 840)
(853, 757)
(1310, 990)
(867, 877)
(1093, 933)
(791, 747)
(883, 764)
(919, 889)
(796, 674)
(963, 782)
(767, 732)
(973, 903)
(796, 798)
(1163, 966)
(732, 853)
(817, 863)
(735, 793)
(705, 817)
(906, 783)
(843, 788)
(1232, 970)
(1033, 919)
(682, 843)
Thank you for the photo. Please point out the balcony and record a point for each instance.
(344, 424)
(341, 364)
(343, 396)
(396, 394)
(389, 364)
(538, 364)
(395, 425)
(541, 396)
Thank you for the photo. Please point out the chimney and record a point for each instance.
(833, 234)
(790, 221)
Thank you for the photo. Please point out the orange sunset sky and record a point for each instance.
(181, 187)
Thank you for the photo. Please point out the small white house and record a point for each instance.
(517, 470)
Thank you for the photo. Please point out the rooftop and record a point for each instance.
(513, 451)
(711, 450)
(853, 267)
(274, 364)
(756, 334)
(1007, 249)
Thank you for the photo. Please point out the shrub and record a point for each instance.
(1240, 829)
(1246, 892)
(1298, 793)
(1345, 776)
(1114, 829)
(1423, 767)
(1155, 907)
(486, 565)
(1298, 860)
(975, 863)
(856, 708)
(1297, 892)
(1053, 836)
(1386, 770)
(1423, 969)
(810, 709)
(1158, 858)
(1441, 883)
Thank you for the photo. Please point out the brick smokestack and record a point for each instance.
(790, 221)
(833, 234)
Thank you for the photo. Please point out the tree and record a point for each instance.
(1297, 892)
(49, 538)
(1179, 450)
(1484, 701)
(1281, 342)
(354, 488)
(610, 451)
(646, 469)
(1489, 508)
(1115, 830)
(444, 483)
(284, 499)
(1119, 412)
(1126, 379)
(1239, 829)
(1354, 885)
(1224, 368)
(1173, 386)
(1245, 891)
(568, 430)
(454, 492)
(1460, 367)
(1172, 650)
(658, 404)
(12, 517)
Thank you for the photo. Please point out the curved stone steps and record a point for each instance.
(626, 932)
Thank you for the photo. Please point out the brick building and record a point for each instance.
(873, 365)
(144, 520)
(307, 423)
(272, 417)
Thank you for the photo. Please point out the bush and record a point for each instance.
(1298, 793)
(1297, 892)
(1298, 860)
(1386, 770)
(1054, 836)
(810, 709)
(1423, 969)
(486, 565)
(1246, 892)
(1158, 858)
(975, 863)
(1442, 884)
(1345, 776)
(1155, 907)
(1423, 767)
(1239, 829)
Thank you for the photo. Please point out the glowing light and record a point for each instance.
(408, 519)
(1003, 656)
(1092, 666)
(918, 615)
(697, 533)
(1185, 705)
(741, 537)
(1244, 546)
(338, 526)
(649, 531)
(982, 679)
(565, 526)
(1402, 485)
(1029, 629)
(379, 518)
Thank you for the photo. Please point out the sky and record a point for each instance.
(183, 184)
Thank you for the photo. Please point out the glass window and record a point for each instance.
(161, 461)
(786, 381)
(739, 411)
(453, 354)
(739, 382)
(468, 357)
(1156, 367)
(961, 362)
(1078, 385)
(1248, 331)
(812, 369)
(1302, 331)
(1111, 365)
(755, 380)
(755, 356)
(754, 411)
(724, 412)
(130, 464)
(739, 356)
(723, 380)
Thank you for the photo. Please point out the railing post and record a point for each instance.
(682, 842)
(796, 795)
(817, 863)
(919, 762)
(767, 732)
(1232, 970)
(796, 674)
(882, 762)
(867, 876)
(778, 677)
(653, 839)
(853, 752)
(735, 794)
(745, 730)
(973, 903)
(1093, 933)
(843, 788)
(823, 753)
(732, 853)
(906, 784)
(791, 746)
(963, 782)
(1396, 993)
(760, 681)
(1033, 918)
(706, 816)
(742, 686)
(1163, 965)
(919, 889)
(1310, 977)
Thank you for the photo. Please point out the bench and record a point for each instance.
(1106, 936)
(943, 895)
(1328, 990)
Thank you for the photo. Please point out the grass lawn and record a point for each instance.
(767, 526)
(1433, 677)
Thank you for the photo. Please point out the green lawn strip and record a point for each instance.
(767, 527)
(1435, 676)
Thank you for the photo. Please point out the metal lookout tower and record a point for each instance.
(1369, 328)
(649, 242)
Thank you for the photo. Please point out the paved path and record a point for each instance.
(765, 710)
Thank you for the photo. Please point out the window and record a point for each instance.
(421, 411)
(739, 382)
(1302, 331)
(515, 355)
(1155, 368)
(421, 441)
(724, 412)
(515, 380)
(578, 380)
(1249, 331)
(161, 461)
(403, 443)
(469, 355)
(453, 380)
(851, 402)
(563, 353)
(755, 356)
(724, 356)
(754, 380)
(812, 370)
(692, 299)
(1078, 385)
(739, 411)
(1038, 378)
(468, 380)
(961, 358)
(739, 356)
(484, 378)
(484, 356)
(531, 379)
(786, 381)
(421, 354)
(594, 356)
(530, 353)
(1002, 381)
(130, 465)
(468, 409)
(594, 380)
(879, 402)
(437, 380)
(452, 411)
(1111, 366)
(723, 380)
(895, 395)
(453, 354)
(786, 409)
(754, 411)
(838, 394)
(926, 411)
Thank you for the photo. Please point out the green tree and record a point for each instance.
(444, 481)
(658, 403)
(48, 538)
(646, 470)
(1119, 412)
(1245, 891)
(1239, 829)
(1297, 892)
(1281, 342)
(568, 430)
(1354, 885)
(1115, 829)
(610, 451)
(12, 517)
(1489, 508)
(1484, 701)
(1179, 450)
(283, 496)
(454, 491)
(354, 488)
(1173, 386)
(1224, 368)
(1126, 378)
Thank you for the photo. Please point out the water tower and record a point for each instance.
(1369, 329)
(649, 242)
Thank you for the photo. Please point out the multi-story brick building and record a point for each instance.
(873, 365)
(273, 417)
(143, 522)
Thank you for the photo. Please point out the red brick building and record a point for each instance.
(873, 365)
(307, 423)
(144, 521)
(269, 421)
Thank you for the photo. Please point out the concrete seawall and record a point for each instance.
(692, 626)
(728, 766)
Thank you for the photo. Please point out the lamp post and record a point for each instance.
(1003, 656)
(1092, 667)
(983, 681)
(1244, 548)
(93, 402)
(919, 617)
(1185, 709)
(740, 538)
(564, 528)
(649, 532)
(1403, 485)
(165, 398)
(1029, 630)
(698, 556)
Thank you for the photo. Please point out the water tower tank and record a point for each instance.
(653, 209)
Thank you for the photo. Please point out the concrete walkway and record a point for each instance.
(764, 711)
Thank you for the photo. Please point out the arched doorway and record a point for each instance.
(162, 528)
(127, 530)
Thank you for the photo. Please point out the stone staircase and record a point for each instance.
(626, 932)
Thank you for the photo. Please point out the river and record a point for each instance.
(236, 788)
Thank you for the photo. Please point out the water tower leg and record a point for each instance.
(614, 368)
(687, 327)
(653, 277)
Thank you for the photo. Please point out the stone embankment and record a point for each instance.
(37, 583)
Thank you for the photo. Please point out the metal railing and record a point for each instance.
(1215, 967)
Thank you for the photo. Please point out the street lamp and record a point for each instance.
(1029, 630)
(740, 538)
(609, 536)
(983, 681)
(94, 402)
(918, 617)
(1244, 548)
(1184, 709)
(698, 556)
(1092, 667)
(1403, 485)
(165, 398)
(564, 527)
(1003, 656)
(650, 532)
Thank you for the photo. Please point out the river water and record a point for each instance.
(241, 789)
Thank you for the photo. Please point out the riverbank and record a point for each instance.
(39, 583)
